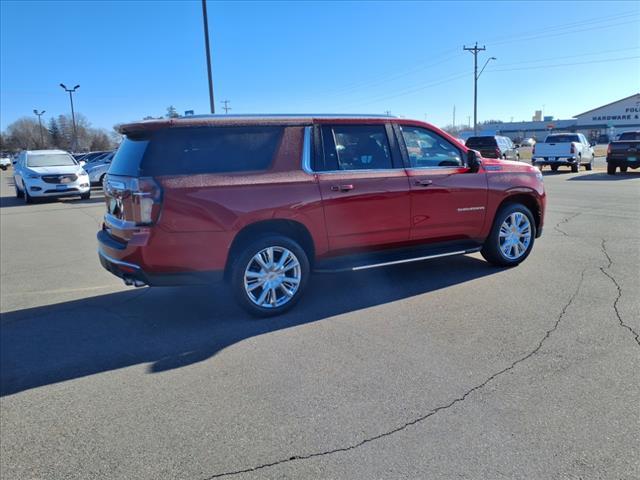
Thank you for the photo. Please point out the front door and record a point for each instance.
(365, 191)
(448, 201)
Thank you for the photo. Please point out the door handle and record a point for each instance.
(341, 188)
(424, 182)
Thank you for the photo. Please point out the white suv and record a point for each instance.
(49, 173)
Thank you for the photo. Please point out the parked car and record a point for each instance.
(262, 201)
(49, 173)
(525, 148)
(5, 162)
(564, 149)
(97, 169)
(92, 156)
(624, 153)
(494, 147)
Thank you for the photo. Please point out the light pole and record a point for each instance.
(40, 123)
(208, 52)
(74, 145)
(475, 50)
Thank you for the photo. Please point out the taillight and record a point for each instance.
(573, 148)
(147, 200)
(609, 149)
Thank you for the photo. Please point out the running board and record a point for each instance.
(367, 261)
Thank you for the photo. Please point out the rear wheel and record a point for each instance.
(611, 169)
(269, 275)
(512, 236)
(554, 168)
(18, 191)
(576, 166)
(623, 169)
(27, 198)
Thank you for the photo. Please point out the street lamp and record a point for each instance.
(74, 145)
(40, 123)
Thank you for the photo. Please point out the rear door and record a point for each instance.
(448, 201)
(364, 187)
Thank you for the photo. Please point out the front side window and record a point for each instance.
(427, 149)
(355, 147)
(50, 160)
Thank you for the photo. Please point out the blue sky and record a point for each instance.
(134, 58)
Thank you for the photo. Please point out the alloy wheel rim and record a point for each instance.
(272, 277)
(515, 236)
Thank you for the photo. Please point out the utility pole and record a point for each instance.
(469, 121)
(226, 107)
(475, 50)
(40, 123)
(387, 113)
(208, 51)
(74, 144)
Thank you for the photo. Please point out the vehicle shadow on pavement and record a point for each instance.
(596, 177)
(173, 327)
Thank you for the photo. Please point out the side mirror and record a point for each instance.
(473, 161)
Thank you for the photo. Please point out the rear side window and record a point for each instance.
(355, 147)
(482, 142)
(128, 158)
(189, 151)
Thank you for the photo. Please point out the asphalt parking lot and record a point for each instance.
(444, 369)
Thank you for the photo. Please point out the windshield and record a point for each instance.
(50, 160)
(562, 139)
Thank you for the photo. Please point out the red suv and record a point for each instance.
(262, 201)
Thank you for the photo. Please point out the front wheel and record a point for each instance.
(554, 168)
(512, 236)
(611, 169)
(19, 193)
(623, 169)
(269, 275)
(589, 166)
(86, 196)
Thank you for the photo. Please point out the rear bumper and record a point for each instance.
(624, 162)
(558, 161)
(134, 274)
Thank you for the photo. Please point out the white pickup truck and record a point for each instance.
(566, 149)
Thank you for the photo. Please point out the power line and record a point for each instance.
(226, 107)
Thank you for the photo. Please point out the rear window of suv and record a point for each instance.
(481, 142)
(188, 151)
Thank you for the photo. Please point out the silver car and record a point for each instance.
(98, 168)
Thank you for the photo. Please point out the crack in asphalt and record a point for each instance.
(565, 220)
(603, 247)
(424, 417)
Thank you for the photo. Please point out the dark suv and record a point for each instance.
(494, 147)
(261, 201)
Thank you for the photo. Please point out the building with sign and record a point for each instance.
(611, 119)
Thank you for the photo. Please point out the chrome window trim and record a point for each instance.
(438, 168)
(368, 170)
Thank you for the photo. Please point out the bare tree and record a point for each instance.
(24, 134)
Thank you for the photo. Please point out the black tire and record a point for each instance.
(589, 166)
(86, 196)
(19, 192)
(554, 168)
(27, 198)
(491, 250)
(611, 169)
(243, 261)
(623, 169)
(102, 179)
(575, 167)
